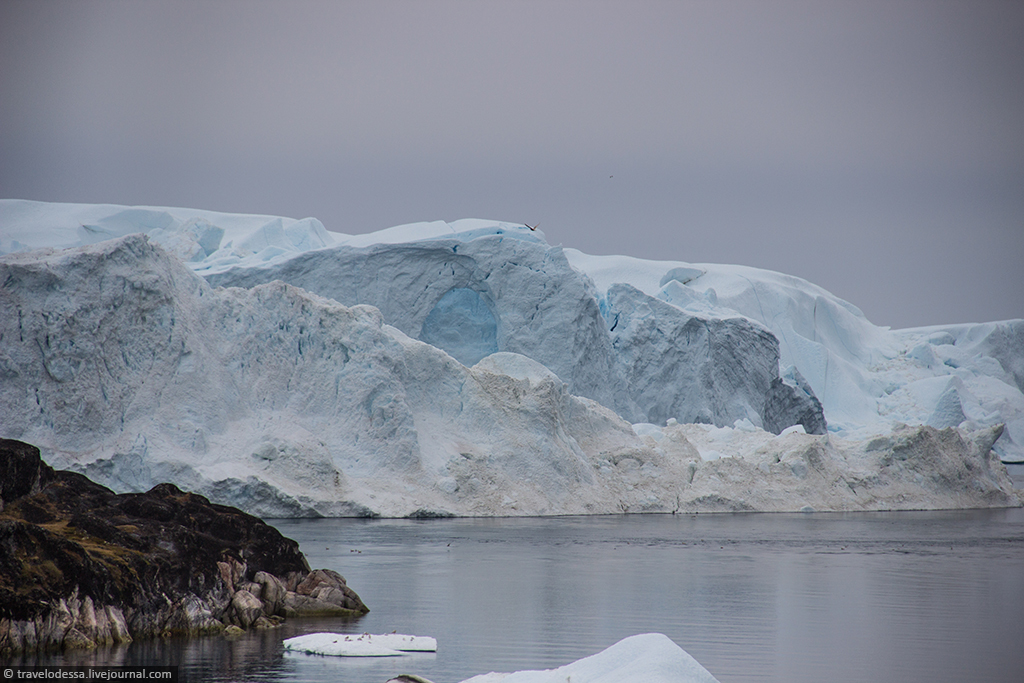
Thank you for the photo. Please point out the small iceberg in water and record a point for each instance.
(646, 658)
(360, 645)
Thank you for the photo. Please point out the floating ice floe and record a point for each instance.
(647, 658)
(360, 645)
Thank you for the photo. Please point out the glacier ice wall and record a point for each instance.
(121, 363)
(118, 360)
(503, 290)
(540, 307)
(867, 378)
(702, 367)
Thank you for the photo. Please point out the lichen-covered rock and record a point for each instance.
(246, 608)
(323, 592)
(318, 578)
(81, 566)
(272, 592)
(190, 615)
(21, 472)
(296, 605)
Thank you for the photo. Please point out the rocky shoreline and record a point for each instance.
(81, 566)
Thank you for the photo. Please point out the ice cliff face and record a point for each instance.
(868, 379)
(119, 361)
(498, 292)
(502, 289)
(702, 368)
(473, 369)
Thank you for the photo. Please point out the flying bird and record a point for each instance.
(531, 227)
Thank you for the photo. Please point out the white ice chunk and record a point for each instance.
(681, 274)
(206, 234)
(648, 429)
(124, 223)
(923, 354)
(269, 235)
(647, 658)
(307, 234)
(360, 645)
(690, 300)
(745, 425)
(191, 242)
(517, 366)
(949, 411)
(464, 230)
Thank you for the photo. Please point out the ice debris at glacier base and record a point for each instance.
(645, 658)
(120, 362)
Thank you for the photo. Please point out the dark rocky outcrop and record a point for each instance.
(82, 566)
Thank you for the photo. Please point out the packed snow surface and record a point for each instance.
(470, 368)
(647, 658)
(360, 645)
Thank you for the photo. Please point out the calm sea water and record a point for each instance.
(929, 596)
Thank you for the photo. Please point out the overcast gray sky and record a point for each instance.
(874, 148)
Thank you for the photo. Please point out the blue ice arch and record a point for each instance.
(462, 324)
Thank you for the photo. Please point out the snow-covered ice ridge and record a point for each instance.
(471, 368)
